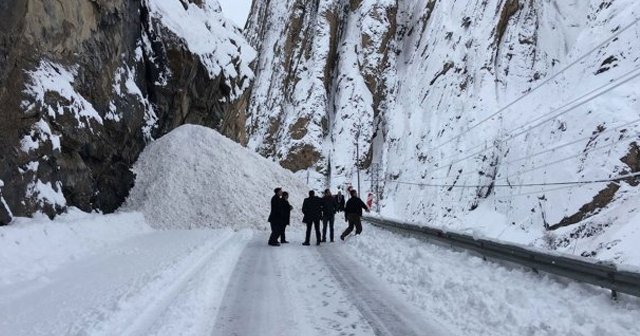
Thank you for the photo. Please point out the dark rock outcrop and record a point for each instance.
(84, 85)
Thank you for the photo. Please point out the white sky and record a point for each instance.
(236, 10)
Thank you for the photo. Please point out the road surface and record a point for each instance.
(209, 282)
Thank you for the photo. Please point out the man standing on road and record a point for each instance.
(328, 214)
(339, 202)
(353, 212)
(312, 210)
(287, 217)
(276, 217)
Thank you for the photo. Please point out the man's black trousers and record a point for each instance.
(276, 231)
(316, 223)
(325, 221)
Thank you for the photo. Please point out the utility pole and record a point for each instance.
(375, 172)
(358, 157)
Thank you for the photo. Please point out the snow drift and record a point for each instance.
(31, 247)
(194, 177)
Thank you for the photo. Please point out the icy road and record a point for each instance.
(224, 282)
(209, 282)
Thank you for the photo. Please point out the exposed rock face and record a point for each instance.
(84, 85)
(420, 87)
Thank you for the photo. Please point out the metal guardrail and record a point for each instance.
(601, 274)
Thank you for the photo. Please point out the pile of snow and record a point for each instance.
(32, 247)
(194, 177)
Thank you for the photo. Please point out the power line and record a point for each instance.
(576, 61)
(614, 82)
(510, 185)
(506, 197)
(612, 85)
(552, 149)
(548, 164)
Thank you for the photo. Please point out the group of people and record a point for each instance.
(315, 209)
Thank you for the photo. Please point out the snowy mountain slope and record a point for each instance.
(421, 83)
(85, 85)
(194, 177)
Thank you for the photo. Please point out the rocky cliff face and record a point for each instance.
(85, 85)
(425, 91)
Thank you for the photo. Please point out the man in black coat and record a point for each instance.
(339, 202)
(276, 217)
(287, 217)
(353, 212)
(329, 207)
(312, 210)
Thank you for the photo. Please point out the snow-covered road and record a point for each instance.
(208, 282)
(225, 282)
(298, 290)
(157, 283)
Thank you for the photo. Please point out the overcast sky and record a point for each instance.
(236, 10)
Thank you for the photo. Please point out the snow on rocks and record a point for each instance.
(47, 193)
(39, 134)
(206, 33)
(194, 177)
(52, 77)
(32, 247)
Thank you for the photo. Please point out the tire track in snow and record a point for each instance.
(119, 290)
(385, 312)
(257, 300)
(286, 291)
(148, 308)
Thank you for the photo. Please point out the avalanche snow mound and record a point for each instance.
(194, 177)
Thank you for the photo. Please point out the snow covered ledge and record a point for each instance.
(205, 32)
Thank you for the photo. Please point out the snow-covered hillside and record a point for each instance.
(430, 92)
(194, 177)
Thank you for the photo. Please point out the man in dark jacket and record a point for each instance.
(287, 217)
(329, 207)
(312, 210)
(339, 202)
(353, 212)
(276, 216)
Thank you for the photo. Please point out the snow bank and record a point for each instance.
(31, 247)
(195, 177)
(482, 298)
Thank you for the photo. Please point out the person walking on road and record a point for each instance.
(312, 210)
(353, 212)
(329, 207)
(276, 217)
(287, 216)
